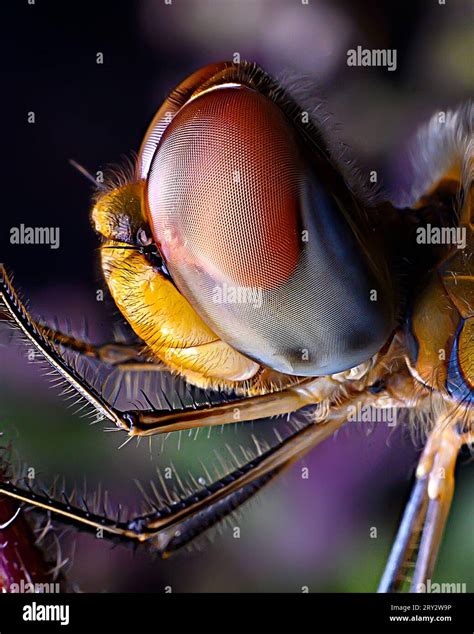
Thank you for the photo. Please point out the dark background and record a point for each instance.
(297, 533)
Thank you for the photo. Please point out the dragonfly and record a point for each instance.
(251, 263)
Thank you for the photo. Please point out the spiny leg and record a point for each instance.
(171, 527)
(129, 356)
(21, 318)
(153, 421)
(113, 353)
(291, 399)
(426, 511)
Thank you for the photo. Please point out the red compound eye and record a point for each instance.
(224, 182)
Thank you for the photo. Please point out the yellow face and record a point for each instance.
(167, 323)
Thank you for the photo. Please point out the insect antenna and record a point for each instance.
(80, 168)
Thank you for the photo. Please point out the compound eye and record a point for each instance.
(223, 190)
(252, 239)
